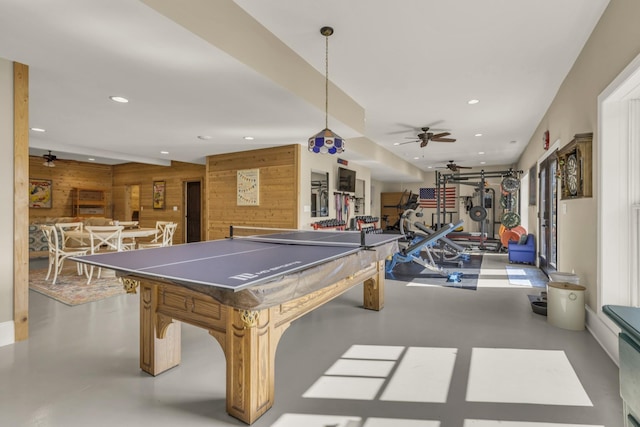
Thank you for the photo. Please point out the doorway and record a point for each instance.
(132, 203)
(193, 211)
(548, 214)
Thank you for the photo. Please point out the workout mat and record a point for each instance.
(417, 275)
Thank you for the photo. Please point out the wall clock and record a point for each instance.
(575, 164)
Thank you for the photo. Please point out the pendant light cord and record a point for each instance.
(326, 82)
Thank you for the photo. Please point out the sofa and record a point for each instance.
(523, 250)
(38, 243)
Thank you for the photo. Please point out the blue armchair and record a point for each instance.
(523, 252)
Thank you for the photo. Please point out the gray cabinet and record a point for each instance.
(628, 319)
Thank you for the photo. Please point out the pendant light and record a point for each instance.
(326, 141)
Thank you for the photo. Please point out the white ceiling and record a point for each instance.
(404, 64)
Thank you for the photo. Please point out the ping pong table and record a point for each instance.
(245, 291)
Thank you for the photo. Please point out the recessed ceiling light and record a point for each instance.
(396, 143)
(483, 163)
(416, 158)
(119, 99)
(480, 152)
(472, 101)
(429, 167)
(91, 159)
(164, 152)
(478, 134)
(38, 130)
(205, 137)
(248, 138)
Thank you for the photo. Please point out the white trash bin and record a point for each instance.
(565, 305)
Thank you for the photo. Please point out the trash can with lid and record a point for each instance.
(559, 276)
(565, 305)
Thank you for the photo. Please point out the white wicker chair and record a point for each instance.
(57, 254)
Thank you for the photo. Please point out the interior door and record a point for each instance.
(548, 214)
(193, 212)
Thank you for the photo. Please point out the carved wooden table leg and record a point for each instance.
(374, 289)
(159, 334)
(250, 349)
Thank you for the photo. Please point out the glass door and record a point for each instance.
(548, 214)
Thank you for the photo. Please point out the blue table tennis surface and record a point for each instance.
(238, 263)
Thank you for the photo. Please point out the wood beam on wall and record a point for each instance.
(21, 200)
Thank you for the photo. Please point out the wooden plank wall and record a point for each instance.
(279, 193)
(144, 175)
(66, 176)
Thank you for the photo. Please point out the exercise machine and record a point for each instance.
(448, 251)
(423, 243)
(484, 212)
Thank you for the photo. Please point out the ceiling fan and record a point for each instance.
(426, 136)
(454, 167)
(49, 159)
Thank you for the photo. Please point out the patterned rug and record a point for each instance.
(72, 289)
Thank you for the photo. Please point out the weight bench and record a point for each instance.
(420, 243)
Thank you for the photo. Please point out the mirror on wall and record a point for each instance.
(319, 193)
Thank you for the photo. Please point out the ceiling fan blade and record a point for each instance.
(424, 143)
(408, 142)
(443, 139)
(465, 167)
(440, 135)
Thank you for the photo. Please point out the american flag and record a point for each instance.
(428, 198)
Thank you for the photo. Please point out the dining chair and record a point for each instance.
(104, 238)
(68, 242)
(159, 231)
(167, 237)
(128, 243)
(57, 254)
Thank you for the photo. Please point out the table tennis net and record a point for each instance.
(299, 237)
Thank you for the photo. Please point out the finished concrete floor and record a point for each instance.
(434, 356)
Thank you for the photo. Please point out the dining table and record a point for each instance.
(82, 236)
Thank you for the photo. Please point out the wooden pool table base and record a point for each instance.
(248, 338)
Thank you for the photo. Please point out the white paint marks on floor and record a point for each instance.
(361, 368)
(495, 423)
(504, 375)
(377, 352)
(310, 420)
(355, 388)
(397, 422)
(423, 375)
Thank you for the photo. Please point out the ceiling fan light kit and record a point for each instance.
(49, 159)
(326, 141)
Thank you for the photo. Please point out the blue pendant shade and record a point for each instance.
(325, 141)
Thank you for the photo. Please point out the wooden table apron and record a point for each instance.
(248, 337)
(126, 233)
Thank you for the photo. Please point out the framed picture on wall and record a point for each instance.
(158, 194)
(40, 192)
(248, 187)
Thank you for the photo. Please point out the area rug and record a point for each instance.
(71, 289)
(528, 276)
(417, 275)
